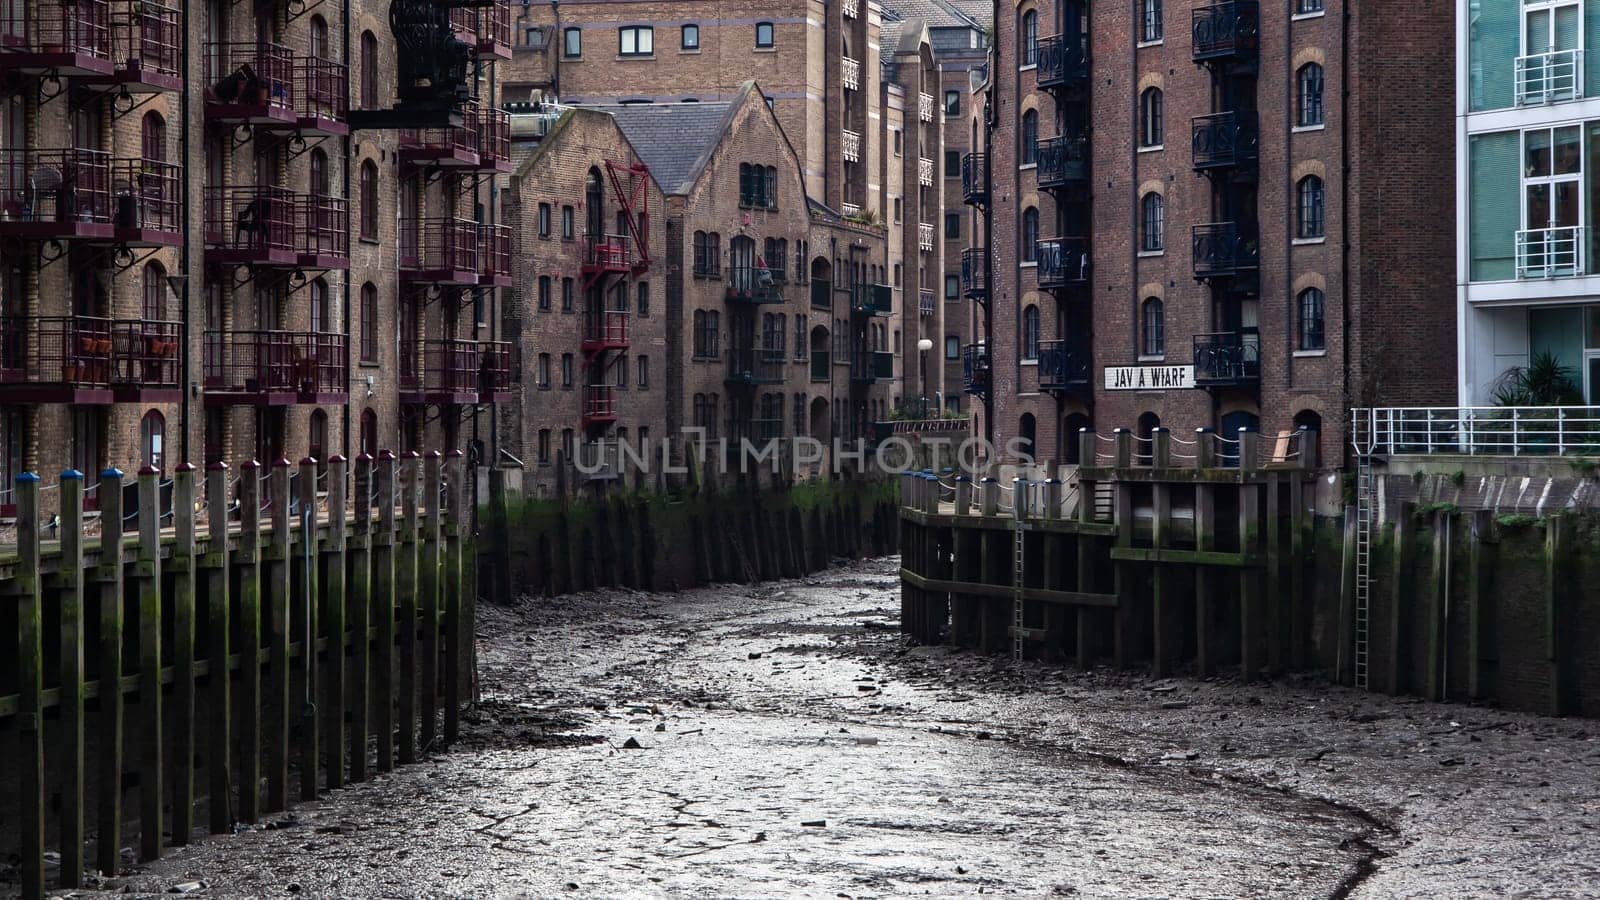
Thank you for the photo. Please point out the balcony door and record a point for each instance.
(1551, 67)
(1552, 202)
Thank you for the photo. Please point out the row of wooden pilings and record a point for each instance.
(312, 642)
(1068, 567)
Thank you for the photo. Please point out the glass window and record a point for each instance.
(763, 34)
(644, 299)
(566, 370)
(568, 223)
(1301, 7)
(1030, 332)
(1496, 209)
(952, 287)
(369, 70)
(1152, 223)
(643, 368)
(1152, 128)
(544, 220)
(572, 42)
(1311, 329)
(1155, 328)
(1308, 87)
(369, 200)
(952, 226)
(690, 37)
(369, 322)
(952, 163)
(152, 435)
(566, 295)
(952, 103)
(952, 346)
(1030, 235)
(1150, 29)
(1030, 138)
(544, 293)
(1309, 218)
(1028, 34)
(636, 40)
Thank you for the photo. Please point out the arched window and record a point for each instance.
(1030, 235)
(369, 70)
(369, 432)
(1028, 34)
(155, 291)
(317, 442)
(1027, 433)
(1030, 138)
(1152, 127)
(319, 305)
(319, 38)
(369, 200)
(1311, 331)
(369, 322)
(1308, 96)
(152, 438)
(153, 137)
(320, 186)
(1309, 208)
(1144, 447)
(1030, 332)
(1154, 322)
(1152, 223)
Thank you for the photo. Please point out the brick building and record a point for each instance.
(203, 261)
(1202, 216)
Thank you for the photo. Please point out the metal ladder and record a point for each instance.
(1364, 515)
(1019, 504)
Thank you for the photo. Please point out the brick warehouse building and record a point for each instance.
(203, 261)
(1216, 214)
(859, 109)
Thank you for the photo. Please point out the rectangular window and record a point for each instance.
(542, 377)
(369, 323)
(897, 275)
(619, 373)
(690, 37)
(1151, 27)
(1304, 7)
(899, 142)
(644, 373)
(800, 337)
(1495, 205)
(952, 103)
(764, 34)
(572, 43)
(952, 164)
(566, 295)
(636, 40)
(544, 446)
(952, 226)
(544, 293)
(566, 371)
(952, 347)
(544, 221)
(952, 287)
(644, 299)
(568, 224)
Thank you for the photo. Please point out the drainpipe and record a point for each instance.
(349, 160)
(989, 117)
(556, 51)
(1350, 387)
(184, 379)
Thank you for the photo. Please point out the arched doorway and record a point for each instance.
(1232, 424)
(594, 204)
(1144, 447)
(1310, 421)
(1072, 445)
(1027, 433)
(821, 425)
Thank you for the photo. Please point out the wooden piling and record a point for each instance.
(1205, 540)
(147, 572)
(277, 588)
(1163, 605)
(458, 640)
(1250, 616)
(183, 569)
(1400, 595)
(332, 576)
(248, 699)
(30, 687)
(305, 593)
(383, 609)
(71, 598)
(428, 611)
(359, 604)
(406, 588)
(1479, 599)
(109, 740)
(1555, 559)
(219, 721)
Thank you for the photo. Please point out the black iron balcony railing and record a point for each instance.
(251, 82)
(251, 225)
(324, 88)
(927, 304)
(1063, 262)
(1227, 358)
(275, 367)
(86, 359)
(975, 273)
(974, 179)
(442, 371)
(443, 251)
(1063, 61)
(1063, 162)
(872, 299)
(1063, 365)
(871, 366)
(64, 37)
(1225, 249)
(1225, 140)
(146, 195)
(975, 371)
(753, 284)
(1226, 30)
(754, 365)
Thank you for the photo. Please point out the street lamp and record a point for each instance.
(923, 346)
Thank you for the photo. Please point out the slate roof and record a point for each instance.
(674, 139)
(940, 13)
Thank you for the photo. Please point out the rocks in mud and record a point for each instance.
(187, 887)
(632, 744)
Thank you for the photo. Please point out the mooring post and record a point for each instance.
(1299, 612)
(360, 609)
(280, 630)
(963, 495)
(1250, 573)
(991, 496)
(458, 646)
(1273, 596)
(935, 492)
(108, 840)
(1088, 447)
(1124, 445)
(1205, 449)
(1438, 603)
(219, 614)
(384, 542)
(30, 687)
(334, 684)
(1400, 596)
(406, 589)
(249, 696)
(147, 571)
(1164, 641)
(1052, 498)
(71, 579)
(1122, 572)
(303, 594)
(432, 485)
(1479, 597)
(1084, 644)
(1555, 561)
(182, 566)
(1161, 448)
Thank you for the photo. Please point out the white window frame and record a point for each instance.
(1543, 59)
(1548, 232)
(641, 35)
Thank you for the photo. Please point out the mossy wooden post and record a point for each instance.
(108, 837)
(30, 687)
(384, 543)
(1555, 566)
(1273, 591)
(406, 588)
(1122, 571)
(908, 499)
(428, 613)
(1400, 595)
(1479, 598)
(1055, 615)
(248, 699)
(1205, 539)
(147, 575)
(183, 569)
(458, 640)
(359, 604)
(1344, 671)
(304, 593)
(1438, 604)
(1165, 642)
(334, 684)
(1299, 609)
(276, 587)
(1084, 647)
(71, 578)
(1250, 625)
(219, 681)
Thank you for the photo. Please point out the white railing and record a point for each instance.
(851, 69)
(925, 235)
(852, 145)
(925, 171)
(1549, 77)
(852, 8)
(925, 107)
(1550, 252)
(1477, 430)
(850, 209)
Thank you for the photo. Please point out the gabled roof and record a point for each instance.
(939, 13)
(675, 140)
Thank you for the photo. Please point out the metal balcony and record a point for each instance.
(1225, 250)
(146, 46)
(323, 225)
(850, 73)
(605, 329)
(1063, 262)
(607, 253)
(925, 171)
(975, 273)
(251, 83)
(486, 30)
(89, 360)
(754, 284)
(927, 303)
(494, 255)
(1063, 365)
(976, 374)
(452, 147)
(323, 87)
(1229, 31)
(851, 8)
(871, 299)
(599, 405)
(1545, 78)
(925, 106)
(440, 372)
(974, 180)
(439, 251)
(266, 226)
(495, 381)
(146, 208)
(1063, 62)
(51, 194)
(275, 368)
(1227, 359)
(754, 365)
(1225, 140)
(870, 367)
(851, 147)
(1551, 252)
(494, 138)
(64, 37)
(925, 234)
(1063, 162)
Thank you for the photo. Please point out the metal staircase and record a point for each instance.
(1365, 512)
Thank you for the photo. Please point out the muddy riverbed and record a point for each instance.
(783, 739)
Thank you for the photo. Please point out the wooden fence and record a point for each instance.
(331, 620)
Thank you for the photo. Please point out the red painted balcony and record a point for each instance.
(323, 229)
(67, 37)
(55, 194)
(605, 330)
(440, 372)
(485, 29)
(251, 226)
(251, 83)
(445, 147)
(146, 197)
(494, 372)
(599, 405)
(612, 253)
(146, 46)
(439, 251)
(275, 368)
(494, 138)
(89, 360)
(324, 89)
(494, 255)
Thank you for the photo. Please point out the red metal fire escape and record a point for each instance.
(608, 258)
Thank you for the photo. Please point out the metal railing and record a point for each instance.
(435, 245)
(448, 141)
(1062, 161)
(606, 326)
(871, 365)
(1062, 364)
(324, 89)
(850, 73)
(1228, 357)
(1553, 77)
(494, 256)
(251, 221)
(754, 365)
(608, 251)
(494, 135)
(1223, 249)
(927, 305)
(1225, 139)
(1551, 252)
(1062, 261)
(1477, 430)
(754, 284)
(88, 351)
(494, 368)
(850, 209)
(250, 74)
(1062, 61)
(974, 273)
(599, 402)
(851, 148)
(147, 194)
(925, 106)
(975, 369)
(55, 185)
(257, 362)
(146, 36)
(974, 179)
(1232, 28)
(925, 235)
(851, 8)
(925, 171)
(324, 226)
(439, 366)
(81, 27)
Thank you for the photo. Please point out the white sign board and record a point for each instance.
(1149, 378)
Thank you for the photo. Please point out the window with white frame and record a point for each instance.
(1551, 240)
(1550, 69)
(636, 40)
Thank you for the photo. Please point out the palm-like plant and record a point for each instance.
(1544, 381)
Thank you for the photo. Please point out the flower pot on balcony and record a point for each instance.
(127, 210)
(69, 373)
